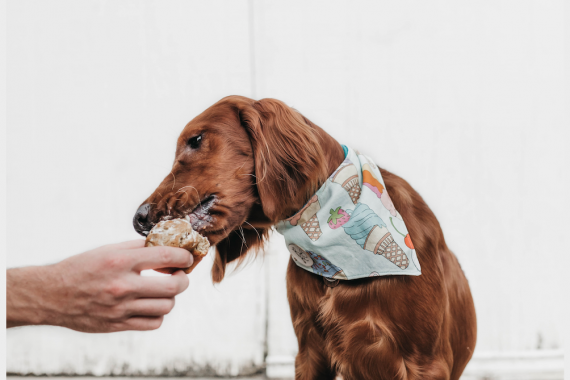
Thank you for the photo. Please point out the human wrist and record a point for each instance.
(26, 301)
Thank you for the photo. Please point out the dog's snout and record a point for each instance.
(141, 221)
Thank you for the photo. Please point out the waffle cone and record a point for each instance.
(353, 189)
(392, 251)
(312, 228)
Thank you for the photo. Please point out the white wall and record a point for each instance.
(464, 100)
(98, 93)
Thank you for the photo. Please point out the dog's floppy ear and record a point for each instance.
(288, 163)
(288, 156)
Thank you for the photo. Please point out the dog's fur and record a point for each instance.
(258, 163)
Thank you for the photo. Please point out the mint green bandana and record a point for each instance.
(350, 229)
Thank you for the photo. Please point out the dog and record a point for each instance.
(244, 165)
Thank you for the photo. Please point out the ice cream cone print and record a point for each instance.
(307, 219)
(312, 228)
(370, 232)
(387, 247)
(370, 162)
(387, 202)
(370, 181)
(347, 176)
(407, 238)
(325, 268)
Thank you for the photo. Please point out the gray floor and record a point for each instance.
(126, 378)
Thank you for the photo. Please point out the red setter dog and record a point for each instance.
(243, 165)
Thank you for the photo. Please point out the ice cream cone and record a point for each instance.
(388, 248)
(307, 219)
(370, 232)
(347, 177)
(369, 180)
(312, 228)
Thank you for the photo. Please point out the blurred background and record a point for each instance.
(463, 100)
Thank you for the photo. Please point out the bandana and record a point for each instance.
(350, 228)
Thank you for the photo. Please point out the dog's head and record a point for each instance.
(240, 166)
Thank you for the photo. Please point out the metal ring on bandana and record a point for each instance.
(330, 283)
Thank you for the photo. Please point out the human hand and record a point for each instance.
(98, 291)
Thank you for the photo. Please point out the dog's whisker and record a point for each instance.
(187, 196)
(245, 221)
(242, 235)
(243, 239)
(226, 234)
(198, 194)
(174, 183)
(241, 248)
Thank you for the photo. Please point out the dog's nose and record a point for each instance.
(141, 221)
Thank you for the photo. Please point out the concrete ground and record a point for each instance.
(125, 378)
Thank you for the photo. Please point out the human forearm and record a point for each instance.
(26, 289)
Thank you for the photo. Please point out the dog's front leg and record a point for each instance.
(312, 362)
(305, 292)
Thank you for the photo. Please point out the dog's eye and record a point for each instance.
(195, 142)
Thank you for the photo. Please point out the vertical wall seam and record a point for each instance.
(251, 30)
(253, 94)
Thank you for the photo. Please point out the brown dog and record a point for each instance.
(241, 166)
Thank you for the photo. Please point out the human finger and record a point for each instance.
(162, 287)
(138, 323)
(160, 257)
(150, 307)
(131, 244)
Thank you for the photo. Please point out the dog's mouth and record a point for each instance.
(200, 217)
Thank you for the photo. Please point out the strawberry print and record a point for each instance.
(338, 218)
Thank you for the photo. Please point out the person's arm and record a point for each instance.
(99, 290)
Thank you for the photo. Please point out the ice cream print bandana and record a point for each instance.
(350, 229)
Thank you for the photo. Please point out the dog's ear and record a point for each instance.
(287, 153)
(289, 168)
